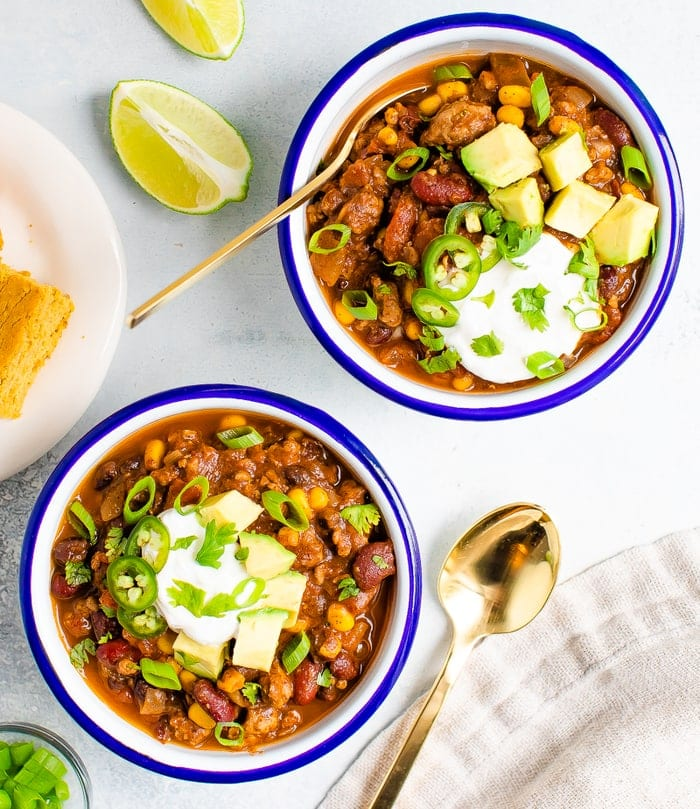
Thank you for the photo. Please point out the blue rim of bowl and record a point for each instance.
(285, 405)
(676, 214)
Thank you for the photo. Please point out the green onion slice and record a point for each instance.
(295, 518)
(224, 740)
(359, 303)
(81, 521)
(544, 365)
(294, 653)
(634, 167)
(240, 437)
(159, 674)
(396, 170)
(540, 99)
(247, 592)
(146, 484)
(337, 227)
(203, 484)
(449, 72)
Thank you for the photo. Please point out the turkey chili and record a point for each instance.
(489, 231)
(221, 580)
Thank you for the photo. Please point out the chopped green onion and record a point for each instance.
(634, 167)
(294, 653)
(544, 365)
(540, 99)
(449, 72)
(337, 227)
(396, 170)
(146, 484)
(81, 521)
(224, 740)
(203, 484)
(296, 516)
(240, 437)
(360, 304)
(159, 674)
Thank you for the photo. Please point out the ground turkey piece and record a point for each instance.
(458, 124)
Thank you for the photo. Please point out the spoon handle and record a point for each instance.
(390, 787)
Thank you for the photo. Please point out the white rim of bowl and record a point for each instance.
(125, 739)
(443, 37)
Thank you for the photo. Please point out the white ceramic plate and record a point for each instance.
(56, 224)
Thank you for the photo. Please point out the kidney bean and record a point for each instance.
(377, 333)
(615, 128)
(102, 625)
(441, 189)
(373, 563)
(214, 702)
(344, 667)
(105, 474)
(61, 589)
(73, 549)
(401, 226)
(306, 681)
(110, 653)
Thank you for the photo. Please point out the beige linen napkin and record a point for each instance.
(594, 704)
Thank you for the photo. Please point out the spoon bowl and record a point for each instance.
(496, 579)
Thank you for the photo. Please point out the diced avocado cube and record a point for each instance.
(624, 234)
(266, 556)
(231, 507)
(502, 156)
(576, 208)
(565, 159)
(258, 636)
(285, 592)
(201, 659)
(520, 202)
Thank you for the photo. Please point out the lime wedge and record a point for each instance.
(209, 28)
(177, 148)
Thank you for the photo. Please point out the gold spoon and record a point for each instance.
(495, 579)
(351, 129)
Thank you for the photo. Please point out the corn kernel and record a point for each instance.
(340, 617)
(510, 114)
(295, 435)
(318, 498)
(413, 329)
(231, 681)
(300, 626)
(561, 125)
(430, 104)
(449, 90)
(232, 420)
(153, 454)
(516, 94)
(388, 136)
(200, 717)
(462, 383)
(301, 499)
(391, 116)
(288, 537)
(187, 679)
(343, 314)
(631, 188)
(165, 643)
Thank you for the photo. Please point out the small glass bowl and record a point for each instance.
(76, 776)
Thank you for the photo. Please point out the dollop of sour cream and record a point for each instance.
(182, 565)
(489, 309)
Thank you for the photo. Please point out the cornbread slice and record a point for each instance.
(32, 318)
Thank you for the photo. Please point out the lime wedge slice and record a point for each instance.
(209, 28)
(177, 148)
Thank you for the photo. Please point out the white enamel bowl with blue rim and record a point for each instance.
(108, 727)
(445, 38)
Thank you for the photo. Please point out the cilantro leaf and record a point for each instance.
(492, 221)
(399, 268)
(584, 261)
(215, 540)
(219, 605)
(488, 345)
(325, 678)
(251, 691)
(513, 241)
(362, 518)
(80, 653)
(347, 588)
(445, 361)
(486, 299)
(184, 594)
(183, 542)
(529, 302)
(77, 573)
(380, 561)
(432, 338)
(114, 543)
